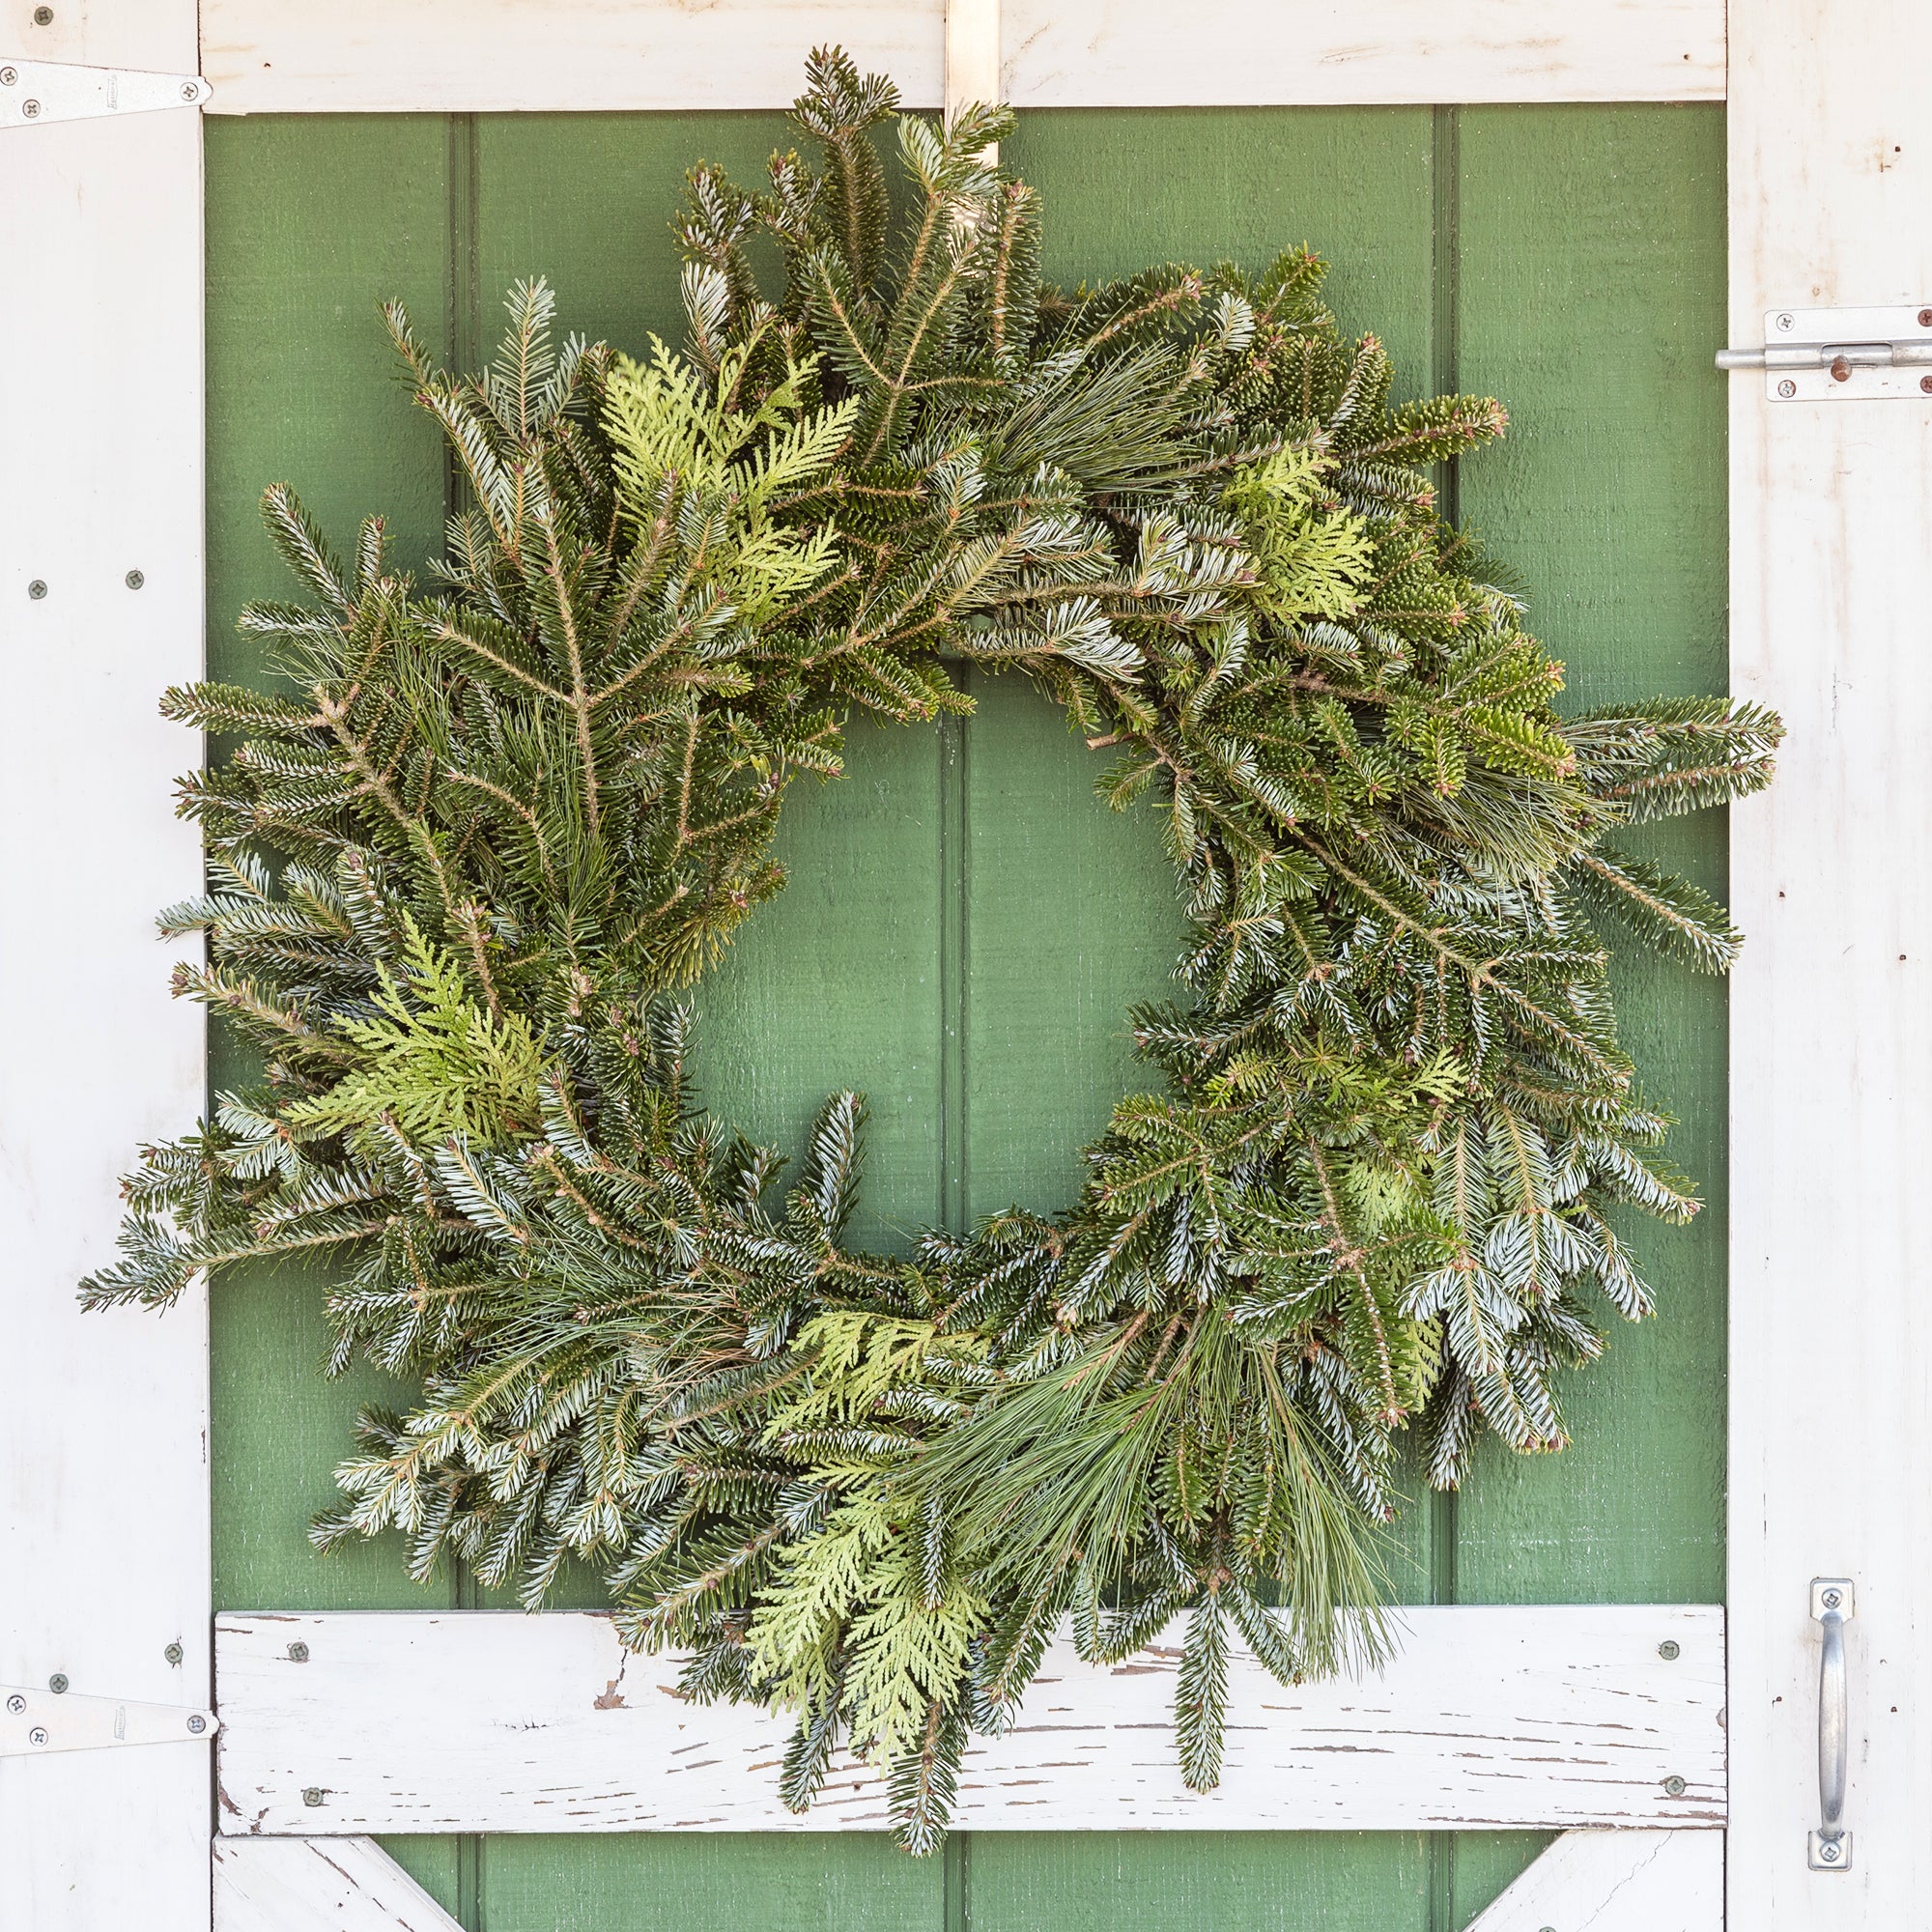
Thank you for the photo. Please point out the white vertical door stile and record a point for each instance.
(1830, 1458)
(104, 1490)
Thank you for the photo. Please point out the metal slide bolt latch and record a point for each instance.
(1830, 1846)
(1842, 355)
(33, 1722)
(36, 90)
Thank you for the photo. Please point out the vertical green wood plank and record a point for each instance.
(707, 1881)
(1592, 292)
(1202, 1880)
(836, 983)
(1072, 912)
(312, 222)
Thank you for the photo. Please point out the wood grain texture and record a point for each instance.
(103, 1483)
(1831, 205)
(501, 1722)
(1617, 1882)
(317, 1884)
(287, 56)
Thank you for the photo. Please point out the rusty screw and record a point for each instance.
(1925, 318)
(1925, 383)
(1841, 370)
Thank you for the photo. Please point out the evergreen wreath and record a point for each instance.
(466, 854)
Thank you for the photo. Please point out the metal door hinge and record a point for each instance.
(35, 1722)
(64, 91)
(1841, 355)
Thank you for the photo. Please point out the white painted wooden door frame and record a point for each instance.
(105, 1576)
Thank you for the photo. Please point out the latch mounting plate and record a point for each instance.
(1842, 355)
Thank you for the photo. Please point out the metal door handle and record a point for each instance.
(1832, 1607)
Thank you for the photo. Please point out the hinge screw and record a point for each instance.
(1925, 318)
(190, 90)
(38, 1735)
(1925, 383)
(1787, 388)
(197, 1723)
(9, 75)
(1674, 1785)
(57, 1682)
(173, 1653)
(16, 1704)
(1784, 322)
(1833, 1598)
(297, 1652)
(1668, 1651)
(1828, 1852)
(133, 579)
(30, 110)
(313, 1794)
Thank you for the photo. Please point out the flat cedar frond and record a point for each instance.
(495, 815)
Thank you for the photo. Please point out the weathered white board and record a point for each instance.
(1617, 1882)
(501, 1722)
(548, 56)
(104, 1489)
(1831, 1348)
(317, 1884)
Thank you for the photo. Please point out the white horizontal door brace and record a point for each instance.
(35, 1723)
(65, 91)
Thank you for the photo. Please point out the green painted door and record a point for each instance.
(992, 921)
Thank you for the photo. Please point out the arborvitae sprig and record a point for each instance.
(489, 823)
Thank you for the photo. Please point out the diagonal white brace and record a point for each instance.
(35, 1723)
(65, 91)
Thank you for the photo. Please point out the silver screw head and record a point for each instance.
(1668, 1650)
(191, 90)
(57, 1682)
(30, 110)
(312, 1795)
(1674, 1785)
(197, 1723)
(1784, 322)
(9, 75)
(1787, 388)
(16, 1704)
(1833, 1598)
(38, 588)
(134, 580)
(173, 1653)
(297, 1652)
(38, 1735)
(1828, 1853)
